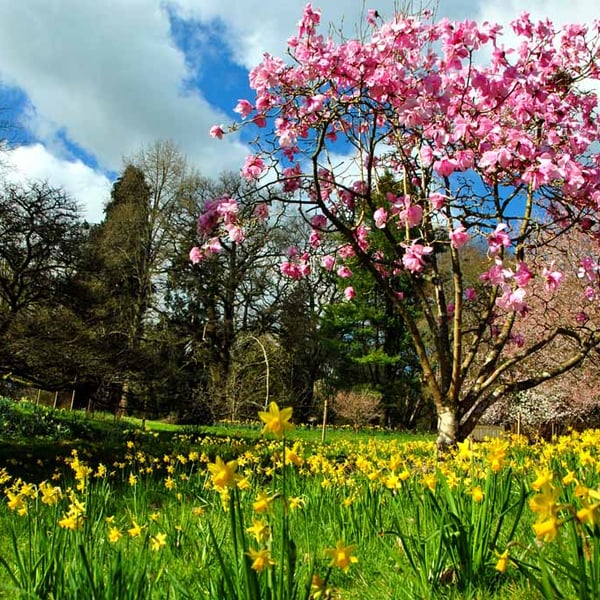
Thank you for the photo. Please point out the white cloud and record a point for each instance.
(262, 26)
(560, 12)
(108, 75)
(89, 188)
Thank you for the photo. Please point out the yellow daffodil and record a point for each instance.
(342, 556)
(296, 502)
(589, 514)
(545, 503)
(477, 493)
(158, 541)
(260, 530)
(276, 421)
(51, 494)
(547, 529)
(223, 474)
(544, 477)
(135, 530)
(261, 559)
(503, 561)
(262, 502)
(114, 535)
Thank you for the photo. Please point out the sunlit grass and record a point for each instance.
(226, 512)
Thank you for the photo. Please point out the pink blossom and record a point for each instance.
(304, 267)
(207, 222)
(349, 293)
(228, 210)
(344, 272)
(427, 156)
(412, 213)
(372, 15)
(470, 294)
(590, 293)
(492, 158)
(380, 216)
(314, 239)
(236, 233)
(445, 166)
(259, 121)
(314, 103)
(553, 278)
(362, 237)
(216, 131)
(214, 245)
(290, 270)
(459, 237)
(497, 274)
(310, 19)
(291, 176)
(588, 269)
(261, 211)
(253, 167)
(498, 238)
(195, 255)
(581, 317)
(518, 340)
(522, 275)
(319, 221)
(512, 300)
(346, 251)
(328, 262)
(244, 108)
(413, 258)
(450, 308)
(437, 200)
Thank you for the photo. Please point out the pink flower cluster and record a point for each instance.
(514, 120)
(298, 264)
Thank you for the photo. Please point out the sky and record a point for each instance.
(84, 84)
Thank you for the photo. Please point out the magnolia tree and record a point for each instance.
(490, 146)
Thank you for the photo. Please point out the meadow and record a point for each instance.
(99, 509)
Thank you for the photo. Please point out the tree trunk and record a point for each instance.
(447, 428)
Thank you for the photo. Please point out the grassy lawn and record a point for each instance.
(119, 511)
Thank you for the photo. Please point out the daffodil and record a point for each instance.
(276, 422)
(547, 529)
(135, 530)
(114, 535)
(260, 530)
(50, 494)
(223, 474)
(158, 541)
(261, 559)
(262, 502)
(342, 556)
(477, 493)
(503, 561)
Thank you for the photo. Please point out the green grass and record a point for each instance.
(344, 492)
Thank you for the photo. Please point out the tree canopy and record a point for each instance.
(490, 146)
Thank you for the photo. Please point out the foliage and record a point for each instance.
(40, 233)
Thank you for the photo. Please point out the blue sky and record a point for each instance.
(87, 83)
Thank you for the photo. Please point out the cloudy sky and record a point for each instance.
(85, 83)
